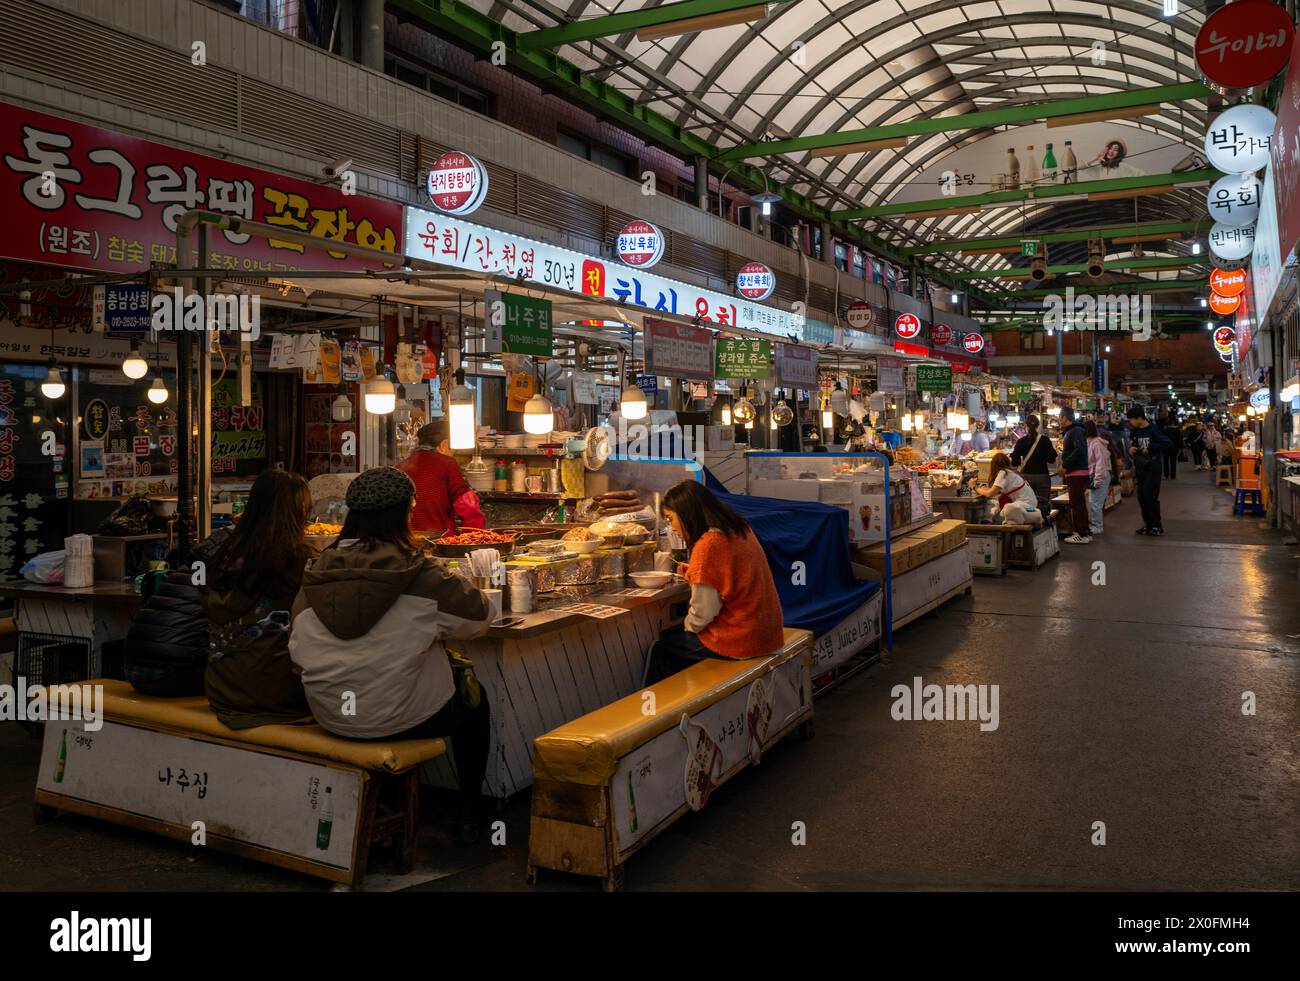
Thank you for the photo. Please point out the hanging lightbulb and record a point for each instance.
(632, 404)
(906, 424)
(135, 366)
(726, 413)
(381, 396)
(52, 386)
(539, 417)
(750, 424)
(744, 412)
(341, 408)
(460, 414)
(1196, 248)
(782, 414)
(157, 393)
(952, 420)
(918, 421)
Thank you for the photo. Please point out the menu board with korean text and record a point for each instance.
(678, 350)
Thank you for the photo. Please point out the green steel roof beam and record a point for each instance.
(479, 32)
(1134, 286)
(1010, 116)
(621, 23)
(1044, 193)
(1174, 229)
(1156, 262)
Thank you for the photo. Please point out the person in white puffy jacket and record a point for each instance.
(368, 631)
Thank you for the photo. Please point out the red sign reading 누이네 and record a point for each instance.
(1244, 44)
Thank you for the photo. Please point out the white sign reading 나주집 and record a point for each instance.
(440, 238)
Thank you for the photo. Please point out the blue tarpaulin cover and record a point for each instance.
(814, 534)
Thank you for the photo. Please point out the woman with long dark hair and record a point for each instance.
(1031, 455)
(368, 632)
(252, 579)
(735, 611)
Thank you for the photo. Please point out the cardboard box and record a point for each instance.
(953, 531)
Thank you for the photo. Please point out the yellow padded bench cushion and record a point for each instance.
(587, 750)
(192, 714)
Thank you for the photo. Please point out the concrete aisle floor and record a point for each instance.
(1119, 703)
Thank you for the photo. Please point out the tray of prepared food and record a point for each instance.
(470, 540)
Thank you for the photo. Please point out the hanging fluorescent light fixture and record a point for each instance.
(52, 386)
(766, 199)
(1170, 8)
(157, 393)
(135, 367)
(460, 414)
(906, 424)
(632, 404)
(381, 396)
(918, 421)
(539, 416)
(341, 407)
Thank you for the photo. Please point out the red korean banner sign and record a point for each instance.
(1244, 44)
(1284, 162)
(90, 198)
(678, 350)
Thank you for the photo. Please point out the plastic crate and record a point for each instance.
(52, 659)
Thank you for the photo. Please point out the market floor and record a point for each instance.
(1118, 703)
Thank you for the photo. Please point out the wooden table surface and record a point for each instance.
(110, 592)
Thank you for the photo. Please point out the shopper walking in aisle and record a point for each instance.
(1212, 438)
(1175, 437)
(1194, 440)
(1032, 455)
(1099, 459)
(1122, 437)
(1074, 464)
(1149, 447)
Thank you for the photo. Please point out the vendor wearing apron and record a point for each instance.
(1016, 503)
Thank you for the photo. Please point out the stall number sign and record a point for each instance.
(796, 367)
(640, 244)
(973, 343)
(518, 324)
(122, 308)
(933, 378)
(907, 326)
(457, 183)
(678, 350)
(1244, 44)
(940, 334)
(755, 281)
(1019, 393)
(743, 357)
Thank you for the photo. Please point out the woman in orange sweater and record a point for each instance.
(735, 611)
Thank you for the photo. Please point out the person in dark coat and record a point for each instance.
(166, 648)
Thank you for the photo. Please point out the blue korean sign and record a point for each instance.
(1099, 376)
(650, 385)
(126, 308)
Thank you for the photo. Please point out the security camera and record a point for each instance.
(337, 167)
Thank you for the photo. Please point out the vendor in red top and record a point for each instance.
(735, 611)
(441, 492)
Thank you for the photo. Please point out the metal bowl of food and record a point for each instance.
(471, 540)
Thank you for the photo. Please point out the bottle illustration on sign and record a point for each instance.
(63, 757)
(631, 799)
(1049, 165)
(1071, 164)
(325, 823)
(703, 763)
(1013, 169)
(758, 716)
(1031, 168)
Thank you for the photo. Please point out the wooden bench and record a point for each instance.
(606, 784)
(170, 766)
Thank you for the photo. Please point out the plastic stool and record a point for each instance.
(1223, 475)
(1248, 502)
